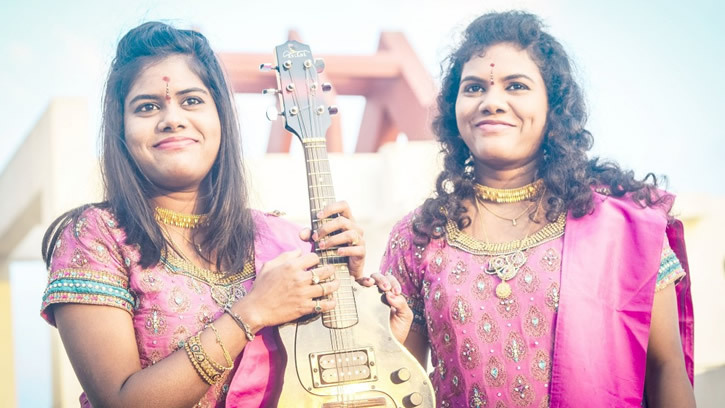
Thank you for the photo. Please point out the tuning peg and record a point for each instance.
(333, 110)
(319, 65)
(266, 67)
(272, 113)
(271, 91)
(326, 87)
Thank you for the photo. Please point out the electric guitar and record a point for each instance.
(347, 357)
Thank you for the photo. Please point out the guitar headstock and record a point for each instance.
(300, 91)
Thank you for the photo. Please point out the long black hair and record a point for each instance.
(127, 189)
(568, 173)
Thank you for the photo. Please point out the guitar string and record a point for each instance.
(327, 190)
(336, 339)
(345, 338)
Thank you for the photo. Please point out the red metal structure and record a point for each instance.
(399, 92)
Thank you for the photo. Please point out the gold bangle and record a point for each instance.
(227, 357)
(199, 361)
(240, 323)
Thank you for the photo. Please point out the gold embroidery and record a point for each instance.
(487, 329)
(521, 392)
(515, 347)
(495, 374)
(458, 274)
(541, 366)
(461, 310)
(535, 322)
(458, 239)
(470, 355)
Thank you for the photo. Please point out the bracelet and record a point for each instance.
(200, 362)
(227, 357)
(238, 320)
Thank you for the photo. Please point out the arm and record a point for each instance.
(417, 344)
(101, 344)
(666, 382)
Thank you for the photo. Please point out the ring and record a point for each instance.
(324, 291)
(315, 278)
(355, 241)
(318, 308)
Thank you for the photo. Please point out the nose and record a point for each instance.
(172, 118)
(493, 101)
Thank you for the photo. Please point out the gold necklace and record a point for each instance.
(513, 220)
(177, 219)
(509, 195)
(507, 266)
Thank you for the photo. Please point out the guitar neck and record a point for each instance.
(322, 193)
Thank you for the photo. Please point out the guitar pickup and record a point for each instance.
(343, 367)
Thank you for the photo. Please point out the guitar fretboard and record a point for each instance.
(322, 193)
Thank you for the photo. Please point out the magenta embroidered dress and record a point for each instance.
(486, 352)
(168, 302)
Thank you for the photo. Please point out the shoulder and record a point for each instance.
(405, 224)
(627, 205)
(92, 222)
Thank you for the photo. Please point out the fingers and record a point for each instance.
(281, 259)
(324, 289)
(350, 237)
(319, 306)
(386, 283)
(396, 301)
(305, 234)
(339, 207)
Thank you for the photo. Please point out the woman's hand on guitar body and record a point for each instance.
(340, 232)
(288, 287)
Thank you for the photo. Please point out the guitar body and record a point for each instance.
(346, 357)
(304, 341)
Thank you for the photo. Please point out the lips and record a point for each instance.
(174, 142)
(491, 125)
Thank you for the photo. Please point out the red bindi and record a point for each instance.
(166, 79)
(492, 65)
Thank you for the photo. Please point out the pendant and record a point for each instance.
(503, 290)
(513, 221)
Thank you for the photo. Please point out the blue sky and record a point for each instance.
(651, 71)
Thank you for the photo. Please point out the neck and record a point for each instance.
(506, 177)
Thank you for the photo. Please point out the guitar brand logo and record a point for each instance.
(293, 53)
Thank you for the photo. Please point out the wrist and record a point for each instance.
(246, 311)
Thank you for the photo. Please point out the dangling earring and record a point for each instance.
(468, 169)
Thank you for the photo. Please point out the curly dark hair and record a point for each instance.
(127, 189)
(568, 173)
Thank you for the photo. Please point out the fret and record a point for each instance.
(343, 315)
(318, 173)
(333, 259)
(311, 186)
(310, 140)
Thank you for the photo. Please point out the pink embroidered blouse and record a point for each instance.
(486, 352)
(168, 303)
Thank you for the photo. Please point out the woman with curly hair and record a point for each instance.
(535, 275)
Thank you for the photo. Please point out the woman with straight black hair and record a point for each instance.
(170, 288)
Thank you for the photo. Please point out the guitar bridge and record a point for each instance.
(343, 367)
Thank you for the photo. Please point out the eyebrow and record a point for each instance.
(158, 98)
(506, 78)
